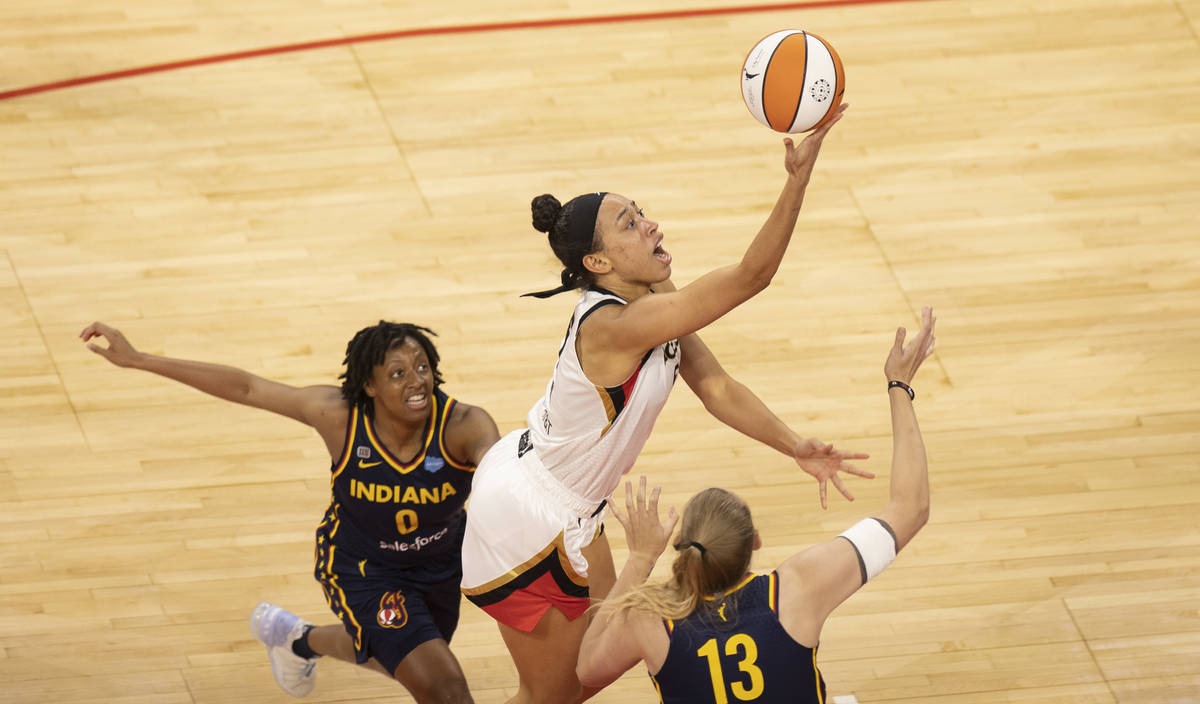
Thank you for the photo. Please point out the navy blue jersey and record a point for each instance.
(738, 651)
(392, 511)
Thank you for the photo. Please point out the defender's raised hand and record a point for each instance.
(903, 360)
(645, 534)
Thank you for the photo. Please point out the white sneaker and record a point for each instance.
(277, 628)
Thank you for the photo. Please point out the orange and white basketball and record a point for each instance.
(793, 81)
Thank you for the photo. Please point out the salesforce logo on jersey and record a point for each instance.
(433, 464)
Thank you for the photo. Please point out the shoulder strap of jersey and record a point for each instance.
(351, 434)
(773, 591)
(577, 320)
(595, 307)
(445, 406)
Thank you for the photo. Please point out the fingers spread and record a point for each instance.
(672, 519)
(851, 469)
(842, 488)
(616, 512)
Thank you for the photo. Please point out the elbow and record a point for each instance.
(759, 281)
(756, 277)
(713, 392)
(906, 520)
(586, 673)
(918, 512)
(921, 516)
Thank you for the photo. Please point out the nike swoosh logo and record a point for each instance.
(365, 465)
(751, 75)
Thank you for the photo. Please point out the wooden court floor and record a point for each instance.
(1030, 169)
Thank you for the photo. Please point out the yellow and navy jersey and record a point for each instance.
(735, 650)
(394, 511)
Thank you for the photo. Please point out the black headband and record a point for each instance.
(582, 225)
(581, 228)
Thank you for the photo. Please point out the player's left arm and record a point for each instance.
(735, 405)
(470, 433)
(615, 642)
(611, 646)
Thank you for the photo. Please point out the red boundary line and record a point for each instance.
(427, 31)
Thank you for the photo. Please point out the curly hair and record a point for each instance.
(367, 350)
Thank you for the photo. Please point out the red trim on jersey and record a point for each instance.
(627, 387)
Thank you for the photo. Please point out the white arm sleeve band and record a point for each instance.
(875, 544)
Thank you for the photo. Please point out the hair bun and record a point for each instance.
(546, 209)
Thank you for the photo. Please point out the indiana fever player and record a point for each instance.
(714, 632)
(388, 548)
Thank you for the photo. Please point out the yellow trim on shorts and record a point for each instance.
(332, 582)
(558, 543)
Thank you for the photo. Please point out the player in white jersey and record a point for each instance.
(534, 551)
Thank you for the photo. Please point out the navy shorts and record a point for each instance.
(387, 610)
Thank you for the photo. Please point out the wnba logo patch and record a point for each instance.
(391, 611)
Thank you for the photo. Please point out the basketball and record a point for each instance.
(793, 81)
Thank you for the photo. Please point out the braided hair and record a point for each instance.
(367, 350)
(571, 230)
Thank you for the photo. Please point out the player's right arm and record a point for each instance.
(653, 320)
(321, 407)
(815, 581)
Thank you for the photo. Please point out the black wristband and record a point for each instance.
(902, 385)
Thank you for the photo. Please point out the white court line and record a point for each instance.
(845, 699)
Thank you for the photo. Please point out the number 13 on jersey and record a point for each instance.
(739, 644)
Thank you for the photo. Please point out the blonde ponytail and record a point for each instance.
(716, 539)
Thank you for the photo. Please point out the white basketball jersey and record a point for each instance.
(588, 436)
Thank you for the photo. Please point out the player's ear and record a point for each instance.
(597, 263)
(757, 540)
(369, 387)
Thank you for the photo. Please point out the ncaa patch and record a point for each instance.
(391, 610)
(362, 452)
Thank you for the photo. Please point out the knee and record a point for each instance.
(448, 690)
